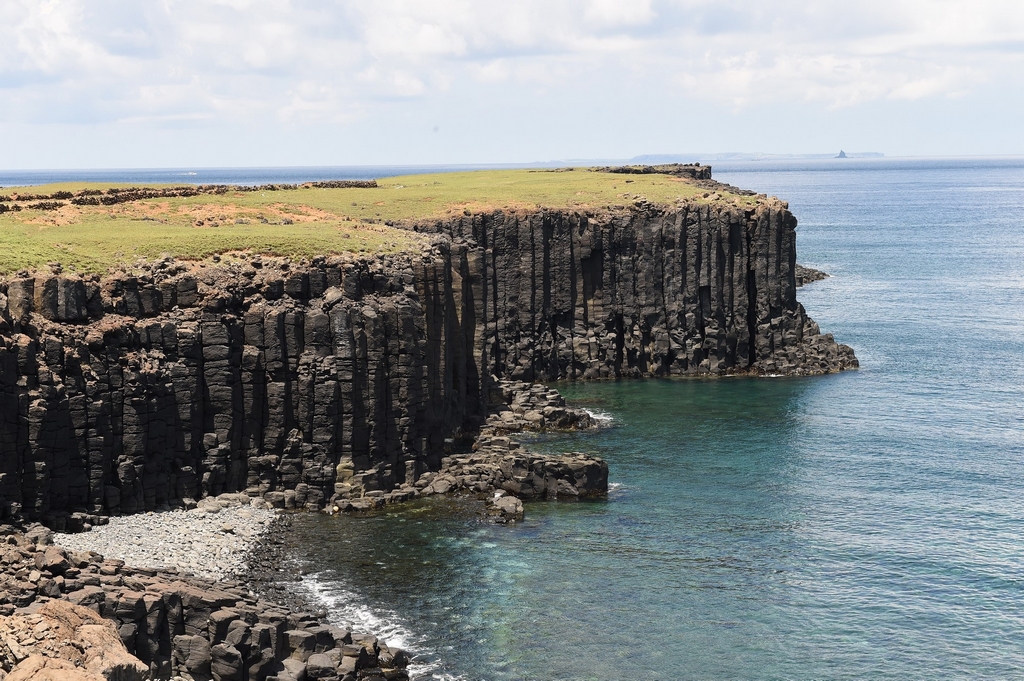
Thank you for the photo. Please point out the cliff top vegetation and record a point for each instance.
(298, 222)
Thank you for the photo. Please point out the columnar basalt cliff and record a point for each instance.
(344, 376)
(648, 290)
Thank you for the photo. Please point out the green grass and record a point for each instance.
(323, 221)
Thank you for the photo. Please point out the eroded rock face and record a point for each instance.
(41, 668)
(305, 382)
(65, 641)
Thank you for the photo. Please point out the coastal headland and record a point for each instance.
(348, 346)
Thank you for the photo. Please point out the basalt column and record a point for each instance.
(297, 382)
(696, 289)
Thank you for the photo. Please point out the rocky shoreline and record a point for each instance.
(497, 468)
(204, 591)
(137, 623)
(230, 537)
(340, 377)
(270, 571)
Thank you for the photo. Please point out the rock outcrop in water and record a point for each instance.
(808, 275)
(345, 376)
(498, 463)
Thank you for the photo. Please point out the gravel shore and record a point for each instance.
(210, 541)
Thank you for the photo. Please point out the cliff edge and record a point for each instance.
(304, 381)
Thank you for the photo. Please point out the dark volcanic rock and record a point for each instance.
(505, 508)
(305, 382)
(806, 275)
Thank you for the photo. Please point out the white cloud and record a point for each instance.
(616, 13)
(300, 61)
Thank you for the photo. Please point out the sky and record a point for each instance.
(216, 83)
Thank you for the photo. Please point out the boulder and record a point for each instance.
(193, 654)
(53, 559)
(508, 507)
(291, 669)
(226, 663)
(301, 644)
(72, 634)
(40, 535)
(321, 666)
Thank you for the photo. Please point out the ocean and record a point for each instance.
(861, 525)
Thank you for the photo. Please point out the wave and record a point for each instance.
(346, 609)
(600, 416)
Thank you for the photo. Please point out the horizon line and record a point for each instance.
(643, 159)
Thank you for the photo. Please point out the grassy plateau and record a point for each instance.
(301, 222)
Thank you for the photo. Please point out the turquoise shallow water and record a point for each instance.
(861, 525)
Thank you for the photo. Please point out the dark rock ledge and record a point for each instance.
(498, 469)
(807, 275)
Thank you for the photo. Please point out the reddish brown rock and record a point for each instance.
(76, 637)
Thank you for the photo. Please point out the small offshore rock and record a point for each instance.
(505, 508)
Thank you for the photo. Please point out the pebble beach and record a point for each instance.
(211, 540)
